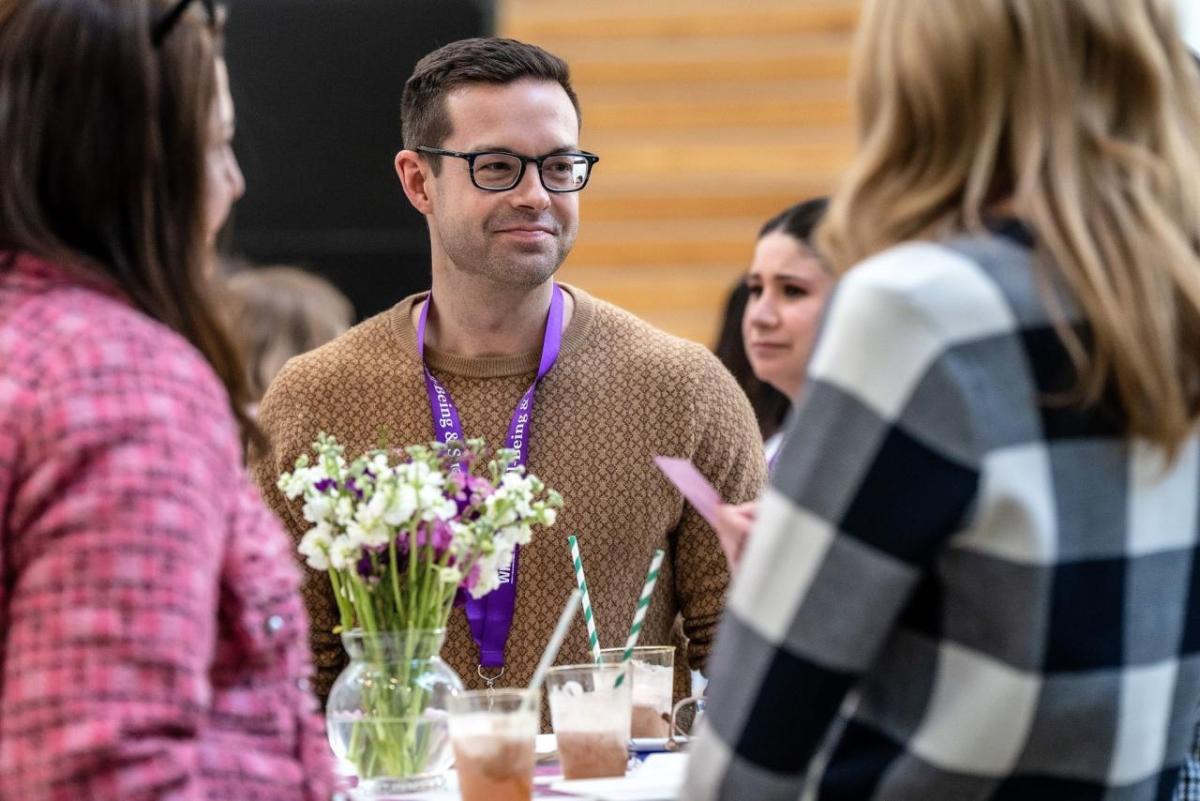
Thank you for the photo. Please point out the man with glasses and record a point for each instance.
(586, 393)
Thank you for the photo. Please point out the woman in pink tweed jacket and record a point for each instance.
(152, 639)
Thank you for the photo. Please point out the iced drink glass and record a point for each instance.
(653, 674)
(591, 719)
(493, 736)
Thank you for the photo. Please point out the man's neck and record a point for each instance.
(473, 321)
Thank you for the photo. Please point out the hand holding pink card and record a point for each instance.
(694, 486)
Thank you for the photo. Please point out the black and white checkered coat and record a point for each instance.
(957, 589)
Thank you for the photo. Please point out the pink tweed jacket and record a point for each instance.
(152, 638)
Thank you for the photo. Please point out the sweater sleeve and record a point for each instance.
(285, 418)
(877, 471)
(116, 535)
(728, 451)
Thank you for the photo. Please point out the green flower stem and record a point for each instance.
(345, 610)
(395, 574)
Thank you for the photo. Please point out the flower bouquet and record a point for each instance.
(403, 535)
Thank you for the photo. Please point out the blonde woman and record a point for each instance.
(974, 574)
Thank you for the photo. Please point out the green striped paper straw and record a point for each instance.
(639, 614)
(588, 618)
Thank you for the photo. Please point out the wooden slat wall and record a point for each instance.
(710, 116)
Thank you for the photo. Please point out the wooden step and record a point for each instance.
(720, 158)
(801, 91)
(702, 198)
(708, 60)
(538, 21)
(686, 241)
(686, 114)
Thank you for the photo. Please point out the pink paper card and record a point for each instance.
(694, 486)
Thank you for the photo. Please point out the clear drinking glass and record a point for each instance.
(591, 717)
(653, 675)
(493, 735)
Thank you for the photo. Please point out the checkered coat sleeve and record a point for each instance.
(955, 590)
(1189, 776)
(152, 638)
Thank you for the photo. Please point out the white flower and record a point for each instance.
(401, 504)
(450, 575)
(514, 481)
(517, 534)
(370, 532)
(374, 508)
(317, 508)
(380, 467)
(440, 509)
(503, 555)
(462, 538)
(429, 497)
(489, 577)
(343, 511)
(314, 546)
(293, 484)
(344, 553)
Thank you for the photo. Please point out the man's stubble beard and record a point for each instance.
(519, 272)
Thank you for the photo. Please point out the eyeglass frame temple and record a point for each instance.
(590, 158)
(167, 22)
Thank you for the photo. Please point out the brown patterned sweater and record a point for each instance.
(620, 393)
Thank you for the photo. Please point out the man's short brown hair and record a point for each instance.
(423, 116)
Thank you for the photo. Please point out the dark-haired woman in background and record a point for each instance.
(785, 291)
(787, 287)
(152, 639)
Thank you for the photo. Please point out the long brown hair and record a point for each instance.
(1082, 117)
(103, 135)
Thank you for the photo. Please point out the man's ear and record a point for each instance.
(412, 170)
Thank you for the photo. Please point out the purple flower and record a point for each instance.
(350, 485)
(324, 485)
(463, 593)
(436, 534)
(480, 486)
(472, 577)
(366, 569)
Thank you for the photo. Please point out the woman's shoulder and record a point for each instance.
(62, 330)
(956, 288)
(90, 359)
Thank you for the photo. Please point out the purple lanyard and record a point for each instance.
(491, 616)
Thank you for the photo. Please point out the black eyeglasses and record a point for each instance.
(499, 172)
(169, 20)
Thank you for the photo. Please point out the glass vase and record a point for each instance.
(386, 715)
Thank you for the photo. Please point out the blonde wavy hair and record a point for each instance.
(1081, 118)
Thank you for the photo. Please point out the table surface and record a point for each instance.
(652, 781)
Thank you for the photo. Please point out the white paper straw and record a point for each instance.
(556, 641)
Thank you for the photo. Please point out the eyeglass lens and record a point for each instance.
(563, 173)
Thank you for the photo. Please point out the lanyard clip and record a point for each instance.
(490, 681)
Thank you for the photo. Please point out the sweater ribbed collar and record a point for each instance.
(574, 336)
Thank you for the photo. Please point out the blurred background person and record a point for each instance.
(787, 286)
(279, 312)
(152, 638)
(769, 404)
(785, 291)
(982, 526)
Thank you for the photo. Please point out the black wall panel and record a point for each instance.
(317, 86)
